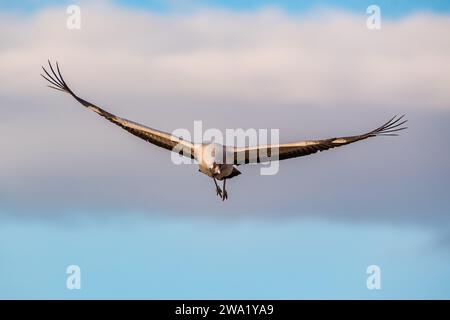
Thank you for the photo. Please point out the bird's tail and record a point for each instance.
(234, 173)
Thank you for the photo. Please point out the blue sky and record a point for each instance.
(139, 227)
(391, 8)
(136, 257)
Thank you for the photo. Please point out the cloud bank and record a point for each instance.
(312, 76)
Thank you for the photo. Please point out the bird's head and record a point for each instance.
(215, 169)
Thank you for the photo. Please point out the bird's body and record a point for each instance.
(206, 155)
(215, 160)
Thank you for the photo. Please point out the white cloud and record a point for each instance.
(329, 59)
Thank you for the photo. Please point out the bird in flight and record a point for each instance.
(224, 167)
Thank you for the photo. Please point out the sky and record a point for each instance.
(391, 8)
(75, 190)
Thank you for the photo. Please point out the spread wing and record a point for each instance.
(156, 137)
(266, 153)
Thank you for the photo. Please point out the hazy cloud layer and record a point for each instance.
(312, 76)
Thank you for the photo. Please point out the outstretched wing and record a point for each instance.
(156, 137)
(303, 148)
